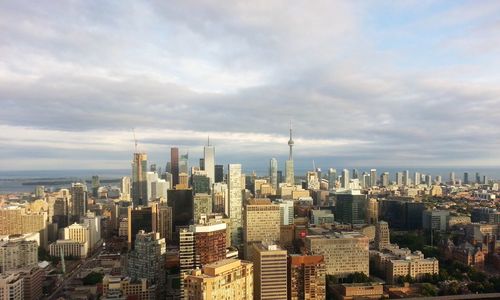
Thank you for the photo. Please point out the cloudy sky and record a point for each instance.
(366, 83)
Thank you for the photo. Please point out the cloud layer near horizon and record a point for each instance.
(396, 84)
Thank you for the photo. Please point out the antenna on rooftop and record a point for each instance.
(135, 139)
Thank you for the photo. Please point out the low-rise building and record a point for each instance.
(69, 248)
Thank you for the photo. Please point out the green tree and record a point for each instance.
(92, 278)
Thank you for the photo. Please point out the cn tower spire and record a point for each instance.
(290, 143)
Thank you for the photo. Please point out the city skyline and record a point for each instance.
(366, 84)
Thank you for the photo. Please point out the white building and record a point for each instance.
(235, 202)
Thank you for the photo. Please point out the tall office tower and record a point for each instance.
(344, 252)
(235, 202)
(270, 272)
(183, 164)
(485, 179)
(186, 250)
(384, 179)
(141, 218)
(165, 221)
(151, 177)
(478, 178)
(181, 202)
(466, 177)
(372, 211)
(219, 173)
(428, 179)
(147, 260)
(417, 179)
(286, 212)
(344, 180)
(78, 201)
(373, 177)
(399, 178)
(273, 173)
(202, 164)
(18, 253)
(307, 277)
(261, 222)
(125, 188)
(313, 181)
(382, 236)
(452, 178)
(95, 186)
(289, 168)
(365, 180)
(200, 183)
(209, 157)
(280, 177)
(212, 282)
(174, 165)
(351, 207)
(355, 174)
(438, 179)
(406, 178)
(332, 178)
(139, 182)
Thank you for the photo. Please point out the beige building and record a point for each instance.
(69, 248)
(18, 254)
(32, 282)
(270, 272)
(11, 287)
(261, 223)
(228, 279)
(78, 233)
(14, 220)
(382, 236)
(202, 205)
(117, 287)
(344, 252)
(414, 267)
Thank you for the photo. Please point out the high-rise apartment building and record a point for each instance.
(286, 212)
(147, 259)
(306, 277)
(235, 188)
(344, 252)
(125, 188)
(174, 165)
(212, 282)
(11, 287)
(209, 161)
(384, 179)
(78, 201)
(452, 178)
(139, 180)
(399, 179)
(15, 254)
(261, 223)
(273, 173)
(466, 177)
(416, 181)
(270, 272)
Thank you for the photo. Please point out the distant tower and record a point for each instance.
(139, 182)
(273, 173)
(209, 161)
(289, 169)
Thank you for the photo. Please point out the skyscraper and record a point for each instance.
(270, 271)
(139, 180)
(406, 178)
(332, 178)
(78, 201)
(261, 223)
(399, 178)
(351, 208)
(95, 185)
(373, 177)
(466, 177)
(209, 159)
(345, 179)
(273, 173)
(417, 178)
(174, 165)
(384, 179)
(289, 168)
(219, 173)
(235, 202)
(452, 178)
(183, 164)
